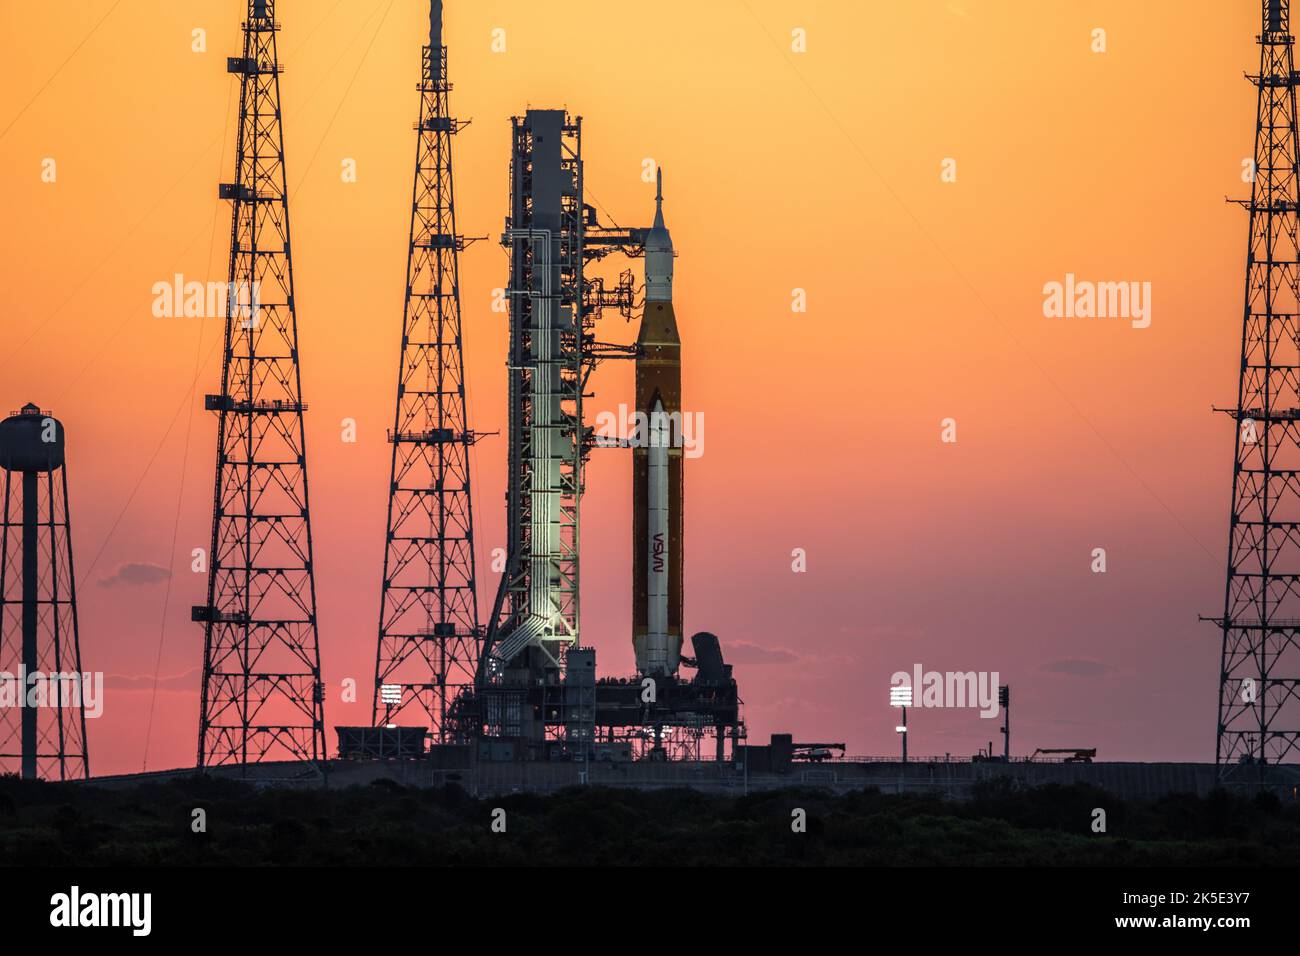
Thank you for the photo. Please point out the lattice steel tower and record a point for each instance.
(45, 734)
(262, 694)
(429, 636)
(1259, 681)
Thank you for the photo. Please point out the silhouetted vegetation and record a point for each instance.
(387, 825)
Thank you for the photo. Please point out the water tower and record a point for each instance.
(43, 721)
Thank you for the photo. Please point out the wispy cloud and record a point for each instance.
(135, 574)
(743, 652)
(1079, 667)
(188, 680)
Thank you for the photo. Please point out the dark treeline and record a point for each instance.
(389, 825)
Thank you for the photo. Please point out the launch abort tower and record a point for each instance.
(1259, 677)
(38, 603)
(262, 695)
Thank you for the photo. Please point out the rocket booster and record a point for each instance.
(657, 466)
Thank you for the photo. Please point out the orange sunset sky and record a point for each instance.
(783, 170)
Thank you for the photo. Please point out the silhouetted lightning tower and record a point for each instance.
(1259, 689)
(262, 694)
(429, 636)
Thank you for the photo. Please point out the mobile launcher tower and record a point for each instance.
(536, 695)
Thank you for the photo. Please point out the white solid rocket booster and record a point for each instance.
(656, 640)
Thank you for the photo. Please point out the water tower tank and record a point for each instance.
(31, 440)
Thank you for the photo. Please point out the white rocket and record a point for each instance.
(657, 465)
